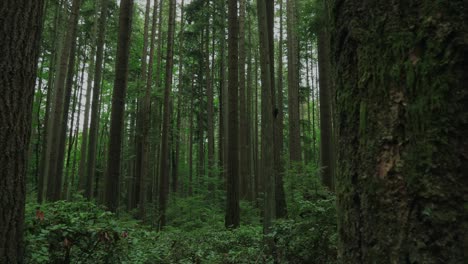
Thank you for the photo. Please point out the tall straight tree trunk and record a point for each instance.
(326, 134)
(111, 192)
(293, 84)
(165, 162)
(94, 125)
(280, 199)
(249, 112)
(268, 126)
(402, 111)
(190, 183)
(84, 133)
(141, 122)
(146, 114)
(177, 137)
(50, 89)
(232, 219)
(210, 116)
(66, 108)
(244, 166)
(21, 30)
(54, 180)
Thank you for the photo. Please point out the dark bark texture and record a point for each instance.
(111, 192)
(402, 108)
(20, 30)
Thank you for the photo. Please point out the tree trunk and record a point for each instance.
(280, 199)
(402, 108)
(111, 192)
(232, 219)
(94, 125)
(145, 116)
(54, 180)
(21, 25)
(177, 137)
(326, 146)
(84, 133)
(165, 161)
(268, 126)
(293, 84)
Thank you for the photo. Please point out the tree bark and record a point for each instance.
(268, 126)
(293, 84)
(280, 199)
(21, 30)
(54, 181)
(165, 161)
(326, 134)
(232, 219)
(94, 125)
(111, 188)
(402, 108)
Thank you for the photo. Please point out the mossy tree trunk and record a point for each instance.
(402, 108)
(21, 24)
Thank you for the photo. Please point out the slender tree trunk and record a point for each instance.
(111, 192)
(326, 134)
(146, 121)
(165, 162)
(268, 126)
(232, 219)
(280, 199)
(244, 166)
(177, 138)
(142, 124)
(50, 94)
(293, 84)
(20, 31)
(84, 133)
(402, 111)
(54, 182)
(190, 187)
(94, 125)
(210, 116)
(66, 109)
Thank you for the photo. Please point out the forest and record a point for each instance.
(233, 131)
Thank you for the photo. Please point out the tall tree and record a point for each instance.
(293, 83)
(21, 25)
(94, 125)
(145, 117)
(326, 147)
(402, 108)
(141, 122)
(232, 219)
(267, 143)
(177, 137)
(165, 162)
(54, 180)
(111, 192)
(280, 199)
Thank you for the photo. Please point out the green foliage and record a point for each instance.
(82, 232)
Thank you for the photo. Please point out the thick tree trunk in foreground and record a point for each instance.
(111, 192)
(402, 108)
(21, 24)
(232, 219)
